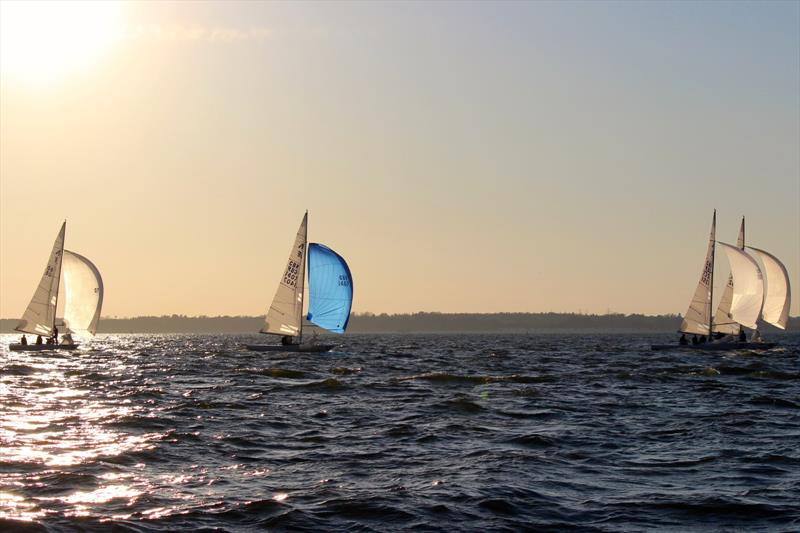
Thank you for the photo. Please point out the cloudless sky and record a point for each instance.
(463, 157)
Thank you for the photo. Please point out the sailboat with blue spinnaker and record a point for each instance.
(330, 296)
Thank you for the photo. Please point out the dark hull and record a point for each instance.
(717, 346)
(40, 347)
(313, 348)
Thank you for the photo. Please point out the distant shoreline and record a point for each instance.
(413, 323)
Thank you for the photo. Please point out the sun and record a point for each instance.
(46, 40)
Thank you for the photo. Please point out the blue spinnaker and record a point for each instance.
(330, 288)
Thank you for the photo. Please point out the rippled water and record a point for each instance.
(439, 432)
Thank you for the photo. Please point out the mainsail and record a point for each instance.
(777, 300)
(748, 288)
(40, 316)
(698, 316)
(285, 315)
(83, 294)
(723, 321)
(330, 289)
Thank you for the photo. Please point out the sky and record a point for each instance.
(463, 157)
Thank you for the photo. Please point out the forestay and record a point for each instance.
(83, 294)
(286, 312)
(723, 321)
(330, 287)
(40, 315)
(748, 286)
(698, 315)
(778, 299)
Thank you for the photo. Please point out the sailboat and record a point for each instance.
(330, 295)
(83, 299)
(750, 296)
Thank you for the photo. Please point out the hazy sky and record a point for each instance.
(461, 156)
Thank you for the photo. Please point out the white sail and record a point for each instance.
(777, 300)
(285, 315)
(698, 316)
(83, 294)
(40, 315)
(748, 286)
(723, 321)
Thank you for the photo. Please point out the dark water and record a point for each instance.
(434, 432)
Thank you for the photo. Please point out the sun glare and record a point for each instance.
(46, 40)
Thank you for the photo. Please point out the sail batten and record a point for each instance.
(285, 314)
(330, 287)
(748, 286)
(698, 317)
(777, 299)
(40, 315)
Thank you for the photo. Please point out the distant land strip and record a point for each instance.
(423, 322)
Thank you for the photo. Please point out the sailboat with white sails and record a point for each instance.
(750, 296)
(330, 295)
(83, 299)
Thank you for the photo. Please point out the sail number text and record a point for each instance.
(292, 271)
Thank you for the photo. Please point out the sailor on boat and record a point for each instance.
(38, 340)
(287, 340)
(24, 340)
(682, 341)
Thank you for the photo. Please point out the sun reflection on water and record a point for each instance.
(51, 417)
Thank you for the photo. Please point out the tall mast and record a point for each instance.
(711, 284)
(302, 278)
(58, 276)
(741, 235)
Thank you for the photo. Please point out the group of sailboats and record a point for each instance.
(330, 286)
(753, 295)
(82, 302)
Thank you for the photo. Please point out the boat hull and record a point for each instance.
(312, 348)
(17, 347)
(716, 346)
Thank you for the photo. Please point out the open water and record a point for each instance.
(396, 432)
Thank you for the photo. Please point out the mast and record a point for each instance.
(58, 276)
(303, 277)
(711, 284)
(741, 235)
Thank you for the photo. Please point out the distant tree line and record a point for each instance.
(409, 323)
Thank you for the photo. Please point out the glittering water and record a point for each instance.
(439, 432)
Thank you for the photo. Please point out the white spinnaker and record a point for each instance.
(698, 315)
(748, 286)
(723, 321)
(40, 315)
(285, 315)
(778, 298)
(83, 294)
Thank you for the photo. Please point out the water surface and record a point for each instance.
(391, 432)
